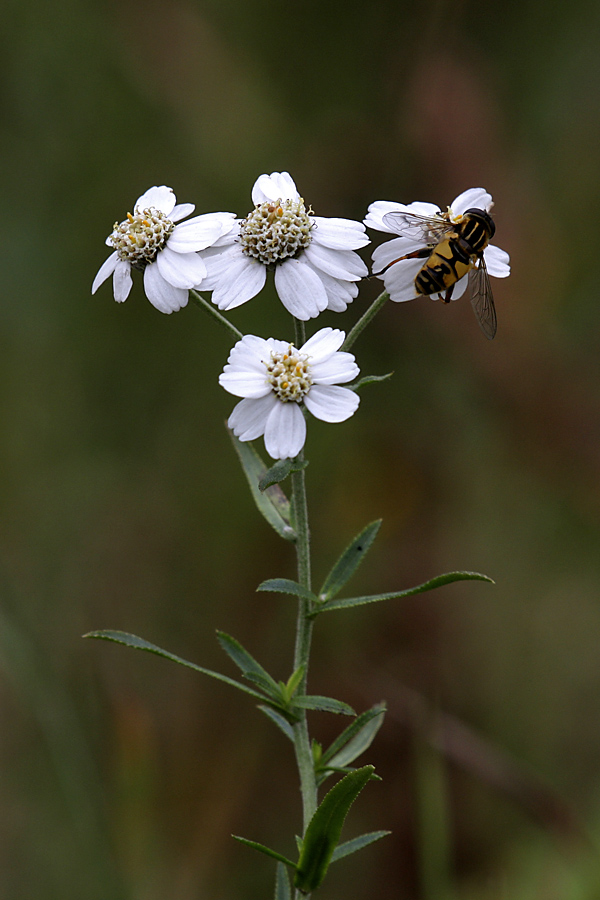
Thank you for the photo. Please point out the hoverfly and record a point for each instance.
(452, 250)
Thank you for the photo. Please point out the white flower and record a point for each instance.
(416, 234)
(277, 382)
(315, 265)
(150, 240)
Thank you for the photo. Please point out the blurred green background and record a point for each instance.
(122, 506)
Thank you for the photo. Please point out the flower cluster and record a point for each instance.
(315, 267)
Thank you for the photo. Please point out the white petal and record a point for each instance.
(217, 260)
(181, 211)
(323, 344)
(237, 278)
(285, 431)
(331, 403)
(122, 280)
(497, 261)
(380, 208)
(376, 212)
(339, 293)
(399, 280)
(106, 269)
(182, 270)
(343, 264)
(473, 198)
(300, 289)
(391, 251)
(198, 233)
(251, 350)
(276, 186)
(161, 198)
(249, 417)
(245, 374)
(339, 368)
(160, 293)
(339, 234)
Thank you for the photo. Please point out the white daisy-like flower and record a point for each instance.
(419, 226)
(315, 265)
(278, 381)
(150, 240)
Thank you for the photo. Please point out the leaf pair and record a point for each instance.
(320, 846)
(282, 702)
(344, 569)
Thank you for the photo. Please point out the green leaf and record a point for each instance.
(438, 581)
(287, 586)
(266, 850)
(283, 890)
(280, 471)
(358, 843)
(293, 681)
(355, 739)
(324, 829)
(271, 503)
(349, 561)
(248, 665)
(138, 643)
(325, 704)
(369, 379)
(279, 720)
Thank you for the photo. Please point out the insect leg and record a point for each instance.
(423, 253)
(446, 296)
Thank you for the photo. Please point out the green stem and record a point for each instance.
(214, 312)
(364, 320)
(304, 627)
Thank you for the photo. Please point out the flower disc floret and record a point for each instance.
(140, 237)
(275, 231)
(289, 374)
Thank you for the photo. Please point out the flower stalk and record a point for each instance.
(304, 627)
(365, 320)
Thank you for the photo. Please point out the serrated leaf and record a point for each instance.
(369, 379)
(272, 502)
(283, 890)
(280, 471)
(266, 850)
(325, 704)
(355, 739)
(324, 829)
(349, 561)
(358, 843)
(138, 643)
(438, 581)
(287, 586)
(279, 720)
(248, 665)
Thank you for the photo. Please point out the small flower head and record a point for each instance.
(313, 258)
(278, 382)
(151, 241)
(419, 227)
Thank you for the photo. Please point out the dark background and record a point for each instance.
(122, 505)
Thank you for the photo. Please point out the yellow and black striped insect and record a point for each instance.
(452, 250)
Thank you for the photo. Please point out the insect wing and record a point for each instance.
(428, 229)
(482, 299)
